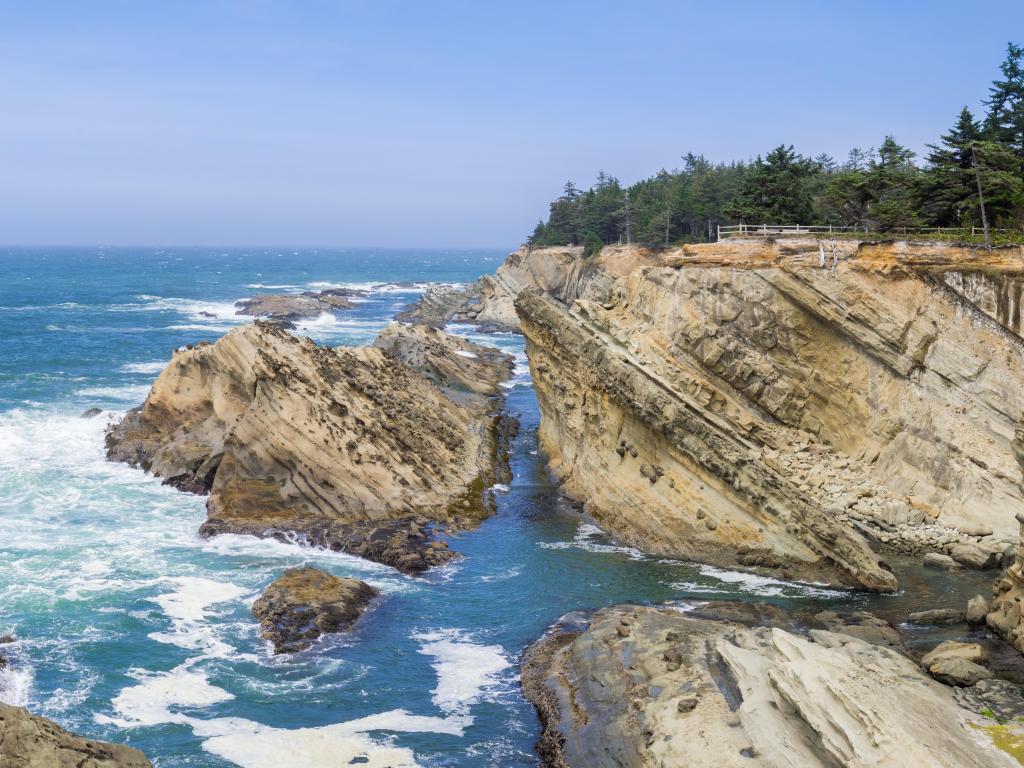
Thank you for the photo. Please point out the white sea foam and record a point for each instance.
(755, 584)
(265, 287)
(466, 670)
(16, 684)
(586, 533)
(133, 393)
(187, 607)
(154, 367)
(157, 694)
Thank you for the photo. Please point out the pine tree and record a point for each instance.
(1005, 120)
(949, 195)
(775, 190)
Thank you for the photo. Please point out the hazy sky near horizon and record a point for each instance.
(439, 123)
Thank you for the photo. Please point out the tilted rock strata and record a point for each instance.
(559, 271)
(1006, 612)
(349, 447)
(643, 687)
(663, 466)
(305, 603)
(884, 399)
(27, 741)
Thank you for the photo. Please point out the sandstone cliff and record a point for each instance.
(27, 741)
(644, 687)
(561, 272)
(760, 403)
(357, 449)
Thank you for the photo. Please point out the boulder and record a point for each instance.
(937, 616)
(304, 603)
(971, 652)
(290, 308)
(940, 561)
(953, 670)
(977, 609)
(27, 741)
(973, 556)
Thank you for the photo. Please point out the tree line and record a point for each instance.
(879, 189)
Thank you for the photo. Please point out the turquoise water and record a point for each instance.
(131, 628)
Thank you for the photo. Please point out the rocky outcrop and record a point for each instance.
(27, 741)
(560, 272)
(356, 449)
(1005, 616)
(642, 686)
(769, 403)
(305, 603)
(290, 308)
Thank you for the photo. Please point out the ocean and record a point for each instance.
(131, 628)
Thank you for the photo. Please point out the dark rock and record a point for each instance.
(861, 625)
(5, 639)
(91, 412)
(937, 616)
(305, 603)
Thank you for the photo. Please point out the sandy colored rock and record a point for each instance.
(937, 616)
(338, 445)
(305, 603)
(786, 401)
(977, 609)
(27, 741)
(940, 561)
(677, 690)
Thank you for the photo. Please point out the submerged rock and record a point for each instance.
(937, 616)
(27, 741)
(652, 686)
(305, 603)
(357, 449)
(91, 412)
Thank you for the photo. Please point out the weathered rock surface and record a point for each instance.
(356, 449)
(27, 741)
(739, 403)
(560, 272)
(646, 687)
(956, 663)
(289, 308)
(1006, 617)
(977, 609)
(305, 603)
(937, 616)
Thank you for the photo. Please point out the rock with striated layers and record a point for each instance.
(305, 603)
(738, 403)
(642, 686)
(558, 271)
(27, 741)
(1005, 616)
(356, 449)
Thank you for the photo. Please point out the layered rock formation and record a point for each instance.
(27, 741)
(290, 308)
(560, 272)
(765, 403)
(1006, 612)
(305, 603)
(357, 449)
(642, 686)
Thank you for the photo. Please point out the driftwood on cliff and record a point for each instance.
(357, 449)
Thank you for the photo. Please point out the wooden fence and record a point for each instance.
(790, 230)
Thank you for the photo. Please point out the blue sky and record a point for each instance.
(439, 123)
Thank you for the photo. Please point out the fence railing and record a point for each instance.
(775, 230)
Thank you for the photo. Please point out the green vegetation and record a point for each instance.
(878, 190)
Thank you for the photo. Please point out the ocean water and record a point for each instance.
(131, 628)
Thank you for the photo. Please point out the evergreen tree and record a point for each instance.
(949, 194)
(892, 184)
(1005, 120)
(775, 190)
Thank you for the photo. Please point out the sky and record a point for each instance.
(439, 124)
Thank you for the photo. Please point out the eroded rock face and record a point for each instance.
(559, 271)
(641, 686)
(305, 603)
(352, 448)
(27, 741)
(740, 403)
